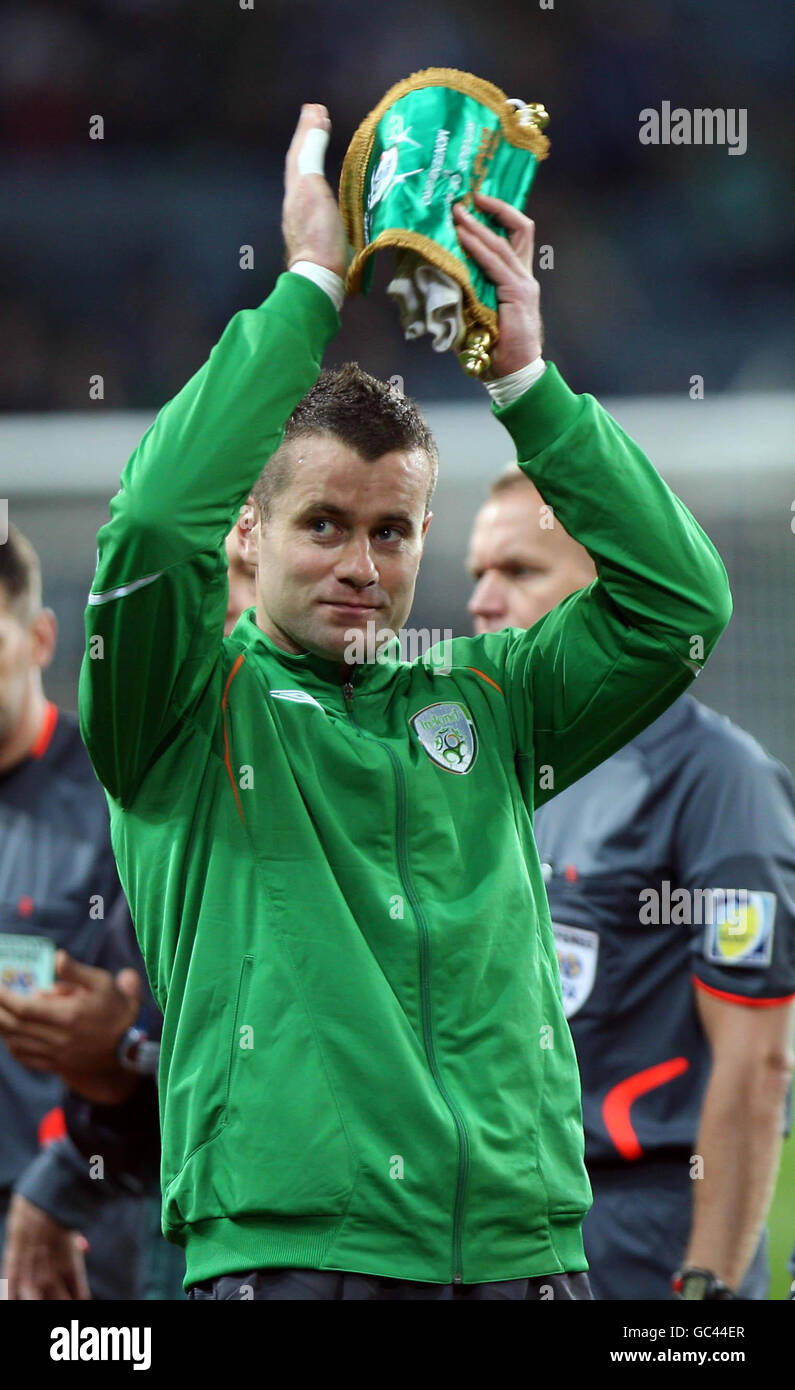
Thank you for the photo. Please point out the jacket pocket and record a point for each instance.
(280, 1147)
(240, 1029)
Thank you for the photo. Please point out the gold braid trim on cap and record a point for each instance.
(476, 315)
(354, 166)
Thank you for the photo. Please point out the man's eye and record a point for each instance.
(389, 531)
(319, 522)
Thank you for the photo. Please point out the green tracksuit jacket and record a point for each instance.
(365, 1061)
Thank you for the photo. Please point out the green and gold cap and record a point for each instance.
(433, 140)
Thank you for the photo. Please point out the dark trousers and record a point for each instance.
(637, 1230)
(165, 1263)
(300, 1285)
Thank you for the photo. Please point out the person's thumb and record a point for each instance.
(129, 983)
(312, 154)
(307, 151)
(69, 971)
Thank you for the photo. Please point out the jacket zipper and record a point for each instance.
(425, 989)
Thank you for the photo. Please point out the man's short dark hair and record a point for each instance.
(368, 415)
(20, 576)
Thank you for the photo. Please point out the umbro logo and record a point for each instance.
(299, 697)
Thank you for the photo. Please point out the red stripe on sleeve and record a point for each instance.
(52, 1126)
(618, 1101)
(46, 731)
(742, 998)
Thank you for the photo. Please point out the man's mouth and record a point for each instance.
(354, 609)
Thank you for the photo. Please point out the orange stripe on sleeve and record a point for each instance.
(484, 677)
(227, 758)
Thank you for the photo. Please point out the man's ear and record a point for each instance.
(426, 523)
(44, 635)
(247, 530)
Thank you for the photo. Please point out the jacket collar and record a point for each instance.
(311, 672)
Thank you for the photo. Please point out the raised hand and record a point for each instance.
(508, 263)
(311, 223)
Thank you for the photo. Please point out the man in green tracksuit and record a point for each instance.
(368, 1087)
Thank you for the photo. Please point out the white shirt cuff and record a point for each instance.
(510, 388)
(327, 280)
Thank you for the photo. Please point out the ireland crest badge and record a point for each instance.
(447, 734)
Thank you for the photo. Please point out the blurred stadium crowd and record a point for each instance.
(121, 256)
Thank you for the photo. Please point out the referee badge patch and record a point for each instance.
(578, 952)
(739, 928)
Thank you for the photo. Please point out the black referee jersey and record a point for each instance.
(57, 879)
(670, 868)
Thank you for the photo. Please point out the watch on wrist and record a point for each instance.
(700, 1284)
(137, 1053)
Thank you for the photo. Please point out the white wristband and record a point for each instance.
(510, 388)
(327, 280)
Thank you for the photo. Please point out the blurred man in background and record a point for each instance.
(107, 1052)
(682, 1026)
(58, 887)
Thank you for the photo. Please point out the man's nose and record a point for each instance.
(488, 597)
(356, 563)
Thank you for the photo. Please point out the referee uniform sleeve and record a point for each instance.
(735, 842)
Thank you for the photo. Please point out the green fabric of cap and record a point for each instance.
(434, 139)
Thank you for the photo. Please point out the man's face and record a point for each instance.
(341, 547)
(16, 660)
(521, 565)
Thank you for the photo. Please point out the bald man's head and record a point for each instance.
(522, 561)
